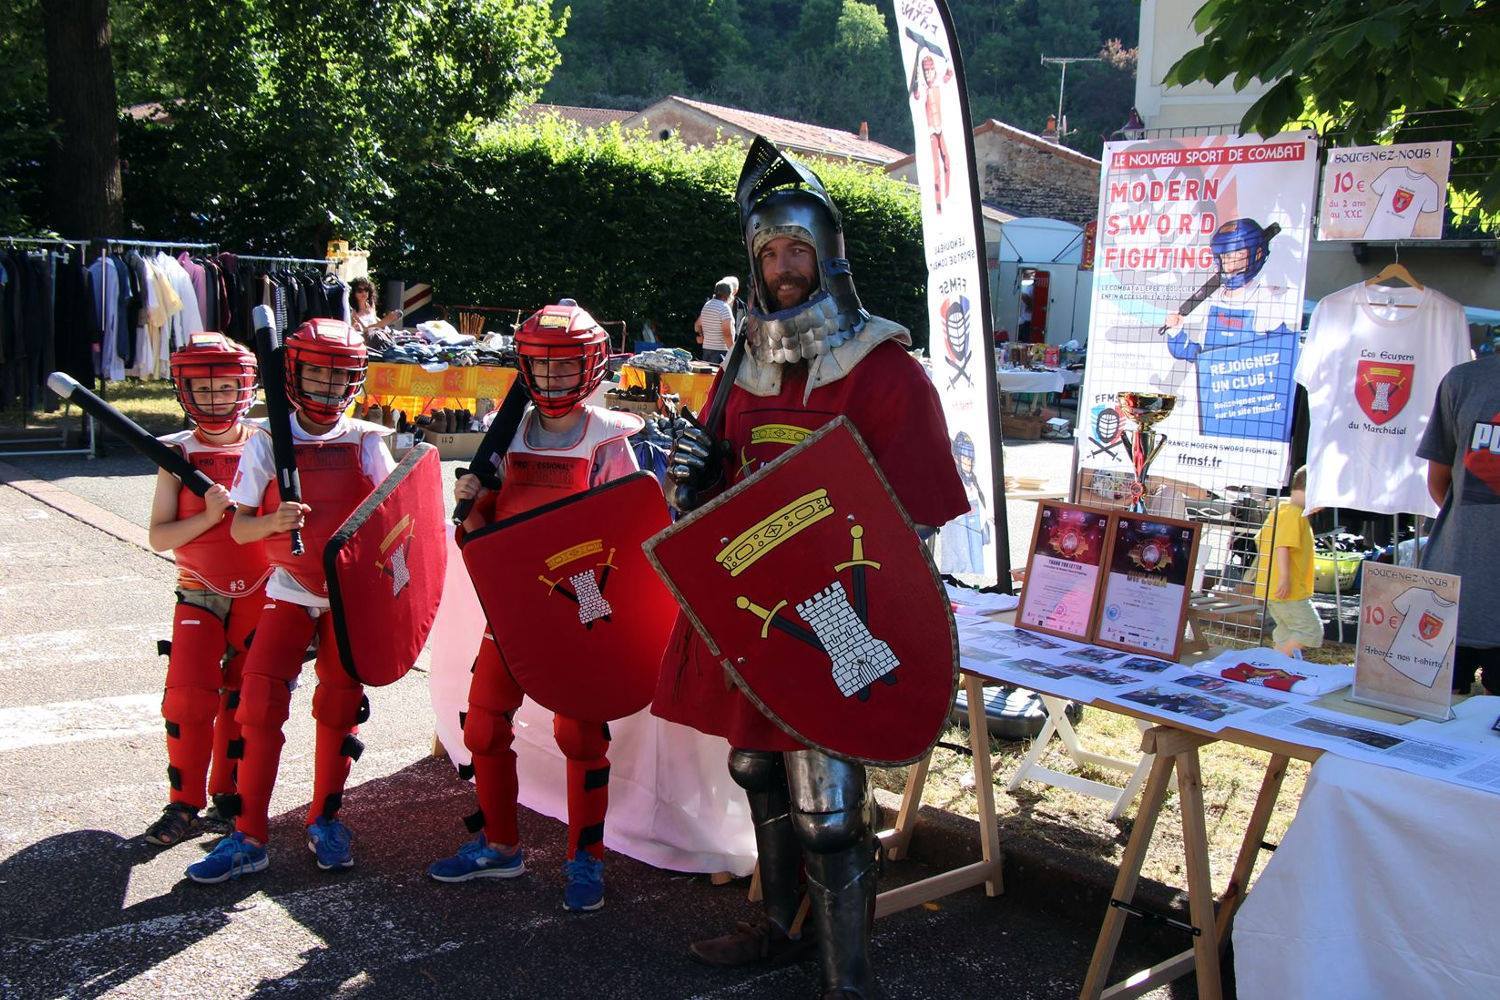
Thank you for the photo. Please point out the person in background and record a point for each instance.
(1462, 448)
(1286, 572)
(1023, 320)
(362, 315)
(715, 324)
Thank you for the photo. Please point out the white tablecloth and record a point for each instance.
(672, 803)
(1386, 886)
(1025, 380)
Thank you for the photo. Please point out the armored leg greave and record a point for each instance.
(833, 816)
(762, 774)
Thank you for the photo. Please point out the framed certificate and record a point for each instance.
(1063, 570)
(1148, 568)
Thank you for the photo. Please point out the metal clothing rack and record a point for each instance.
(91, 429)
(287, 260)
(110, 241)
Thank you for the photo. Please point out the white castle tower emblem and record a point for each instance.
(858, 658)
(592, 605)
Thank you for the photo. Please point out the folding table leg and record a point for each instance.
(1250, 847)
(1130, 872)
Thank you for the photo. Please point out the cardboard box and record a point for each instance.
(452, 447)
(1021, 428)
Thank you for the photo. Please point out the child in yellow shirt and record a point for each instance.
(1286, 572)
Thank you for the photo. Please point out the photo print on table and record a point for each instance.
(1093, 654)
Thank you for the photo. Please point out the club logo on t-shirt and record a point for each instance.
(1402, 200)
(1382, 388)
(1430, 626)
(1482, 463)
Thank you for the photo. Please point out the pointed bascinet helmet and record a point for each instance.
(777, 196)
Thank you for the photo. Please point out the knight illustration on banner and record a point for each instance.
(964, 538)
(811, 353)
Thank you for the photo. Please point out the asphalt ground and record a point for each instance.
(87, 909)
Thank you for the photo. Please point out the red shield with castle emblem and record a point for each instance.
(1401, 200)
(1429, 625)
(809, 583)
(1382, 388)
(575, 610)
(385, 569)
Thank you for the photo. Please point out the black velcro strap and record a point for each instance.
(228, 804)
(173, 729)
(236, 749)
(596, 778)
(352, 747)
(174, 778)
(332, 804)
(590, 835)
(605, 727)
(163, 647)
(249, 638)
(462, 718)
(232, 699)
(474, 822)
(363, 715)
(466, 771)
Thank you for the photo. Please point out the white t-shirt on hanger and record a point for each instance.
(1371, 369)
(1405, 194)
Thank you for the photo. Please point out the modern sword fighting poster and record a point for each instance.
(1200, 271)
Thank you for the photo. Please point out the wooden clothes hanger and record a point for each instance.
(1396, 271)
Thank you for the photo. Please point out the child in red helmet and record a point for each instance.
(219, 588)
(563, 447)
(340, 461)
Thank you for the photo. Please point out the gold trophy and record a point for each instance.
(1145, 410)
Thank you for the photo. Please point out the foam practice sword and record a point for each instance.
(66, 387)
(495, 443)
(270, 355)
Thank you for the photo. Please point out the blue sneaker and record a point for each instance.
(329, 840)
(231, 857)
(477, 859)
(585, 890)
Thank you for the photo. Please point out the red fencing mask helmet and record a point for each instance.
(562, 353)
(215, 380)
(325, 368)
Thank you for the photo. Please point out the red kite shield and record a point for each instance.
(574, 608)
(385, 569)
(810, 584)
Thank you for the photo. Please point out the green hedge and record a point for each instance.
(632, 229)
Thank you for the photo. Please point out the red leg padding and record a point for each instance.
(335, 707)
(493, 698)
(275, 659)
(228, 746)
(585, 745)
(190, 700)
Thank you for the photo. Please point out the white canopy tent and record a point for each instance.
(1040, 257)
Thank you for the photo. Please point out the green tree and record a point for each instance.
(1371, 71)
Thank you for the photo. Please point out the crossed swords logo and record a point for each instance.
(840, 626)
(586, 590)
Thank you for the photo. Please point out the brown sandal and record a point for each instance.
(177, 823)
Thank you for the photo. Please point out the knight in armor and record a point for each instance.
(810, 354)
(340, 462)
(219, 589)
(563, 447)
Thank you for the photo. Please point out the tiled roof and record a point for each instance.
(1017, 135)
(587, 117)
(800, 135)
